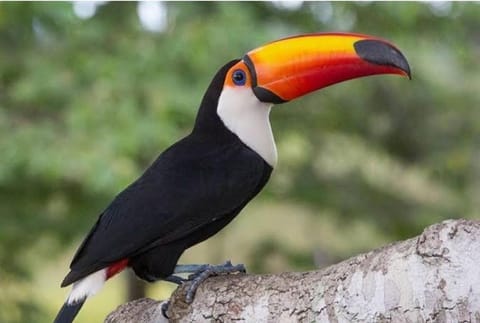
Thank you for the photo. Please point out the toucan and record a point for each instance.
(201, 183)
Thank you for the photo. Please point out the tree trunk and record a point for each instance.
(434, 277)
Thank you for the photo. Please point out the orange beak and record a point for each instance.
(289, 68)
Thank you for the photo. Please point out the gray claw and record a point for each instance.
(210, 270)
(165, 306)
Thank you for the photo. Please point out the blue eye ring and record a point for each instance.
(239, 77)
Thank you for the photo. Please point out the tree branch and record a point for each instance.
(433, 277)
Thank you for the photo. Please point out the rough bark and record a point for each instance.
(434, 277)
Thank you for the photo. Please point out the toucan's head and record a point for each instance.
(286, 69)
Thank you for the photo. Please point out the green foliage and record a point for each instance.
(86, 105)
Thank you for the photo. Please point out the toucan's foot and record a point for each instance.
(214, 270)
(201, 272)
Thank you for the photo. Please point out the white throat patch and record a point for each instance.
(248, 118)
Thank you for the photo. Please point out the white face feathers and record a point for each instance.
(248, 118)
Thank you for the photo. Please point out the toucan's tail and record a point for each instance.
(69, 311)
(82, 288)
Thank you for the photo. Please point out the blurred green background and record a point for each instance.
(91, 93)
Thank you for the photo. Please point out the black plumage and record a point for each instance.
(190, 192)
(68, 312)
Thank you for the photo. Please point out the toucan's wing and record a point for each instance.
(176, 196)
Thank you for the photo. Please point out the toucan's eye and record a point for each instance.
(239, 77)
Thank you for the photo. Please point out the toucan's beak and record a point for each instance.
(289, 68)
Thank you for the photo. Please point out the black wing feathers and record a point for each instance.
(190, 185)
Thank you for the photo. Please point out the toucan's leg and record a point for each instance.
(205, 271)
(183, 269)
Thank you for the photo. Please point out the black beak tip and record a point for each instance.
(381, 53)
